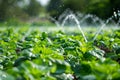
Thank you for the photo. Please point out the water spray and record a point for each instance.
(77, 22)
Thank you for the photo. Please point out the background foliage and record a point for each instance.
(101, 8)
(22, 9)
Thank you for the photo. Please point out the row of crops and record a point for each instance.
(57, 55)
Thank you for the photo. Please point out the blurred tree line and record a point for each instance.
(30, 8)
(102, 8)
(18, 9)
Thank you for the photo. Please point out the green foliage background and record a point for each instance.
(19, 9)
(101, 8)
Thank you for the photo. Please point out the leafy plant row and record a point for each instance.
(58, 55)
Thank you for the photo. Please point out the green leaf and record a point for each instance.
(5, 76)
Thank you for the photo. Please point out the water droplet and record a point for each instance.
(115, 14)
(118, 13)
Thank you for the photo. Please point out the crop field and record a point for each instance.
(41, 54)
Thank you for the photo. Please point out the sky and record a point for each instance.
(43, 2)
